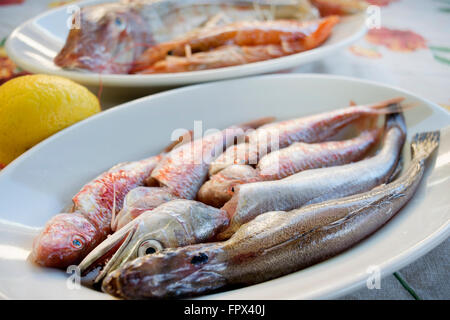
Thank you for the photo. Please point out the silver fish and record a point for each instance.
(273, 244)
(317, 185)
(172, 224)
(285, 162)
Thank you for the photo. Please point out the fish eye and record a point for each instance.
(149, 247)
(77, 242)
(230, 190)
(199, 259)
(119, 23)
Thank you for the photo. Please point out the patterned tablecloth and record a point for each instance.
(410, 50)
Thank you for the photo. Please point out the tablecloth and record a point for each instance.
(410, 50)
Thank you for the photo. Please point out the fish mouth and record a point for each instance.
(108, 253)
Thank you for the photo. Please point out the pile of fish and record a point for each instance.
(165, 36)
(234, 208)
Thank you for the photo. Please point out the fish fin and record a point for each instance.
(352, 103)
(423, 144)
(113, 211)
(187, 137)
(392, 108)
(254, 124)
(385, 103)
(388, 106)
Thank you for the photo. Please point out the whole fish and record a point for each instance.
(109, 37)
(241, 41)
(285, 162)
(274, 244)
(69, 237)
(309, 129)
(317, 185)
(172, 224)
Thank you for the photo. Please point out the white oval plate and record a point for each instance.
(42, 181)
(34, 44)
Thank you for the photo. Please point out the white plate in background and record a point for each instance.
(41, 182)
(35, 43)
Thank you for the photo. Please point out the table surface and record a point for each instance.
(410, 50)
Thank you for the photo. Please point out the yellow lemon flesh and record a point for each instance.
(34, 107)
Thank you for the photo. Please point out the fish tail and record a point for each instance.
(387, 107)
(391, 108)
(385, 103)
(423, 144)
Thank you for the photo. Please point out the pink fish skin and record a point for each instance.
(220, 187)
(314, 186)
(68, 237)
(185, 168)
(310, 129)
(285, 162)
(303, 156)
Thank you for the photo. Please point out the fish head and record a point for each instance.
(105, 38)
(171, 273)
(142, 236)
(172, 224)
(221, 187)
(64, 241)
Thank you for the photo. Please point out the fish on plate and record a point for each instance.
(181, 174)
(173, 224)
(183, 170)
(285, 162)
(69, 237)
(111, 36)
(273, 244)
(309, 129)
(235, 44)
(317, 185)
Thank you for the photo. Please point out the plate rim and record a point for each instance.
(215, 83)
(388, 266)
(183, 78)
